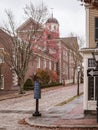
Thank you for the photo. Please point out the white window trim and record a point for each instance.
(50, 65)
(45, 63)
(38, 62)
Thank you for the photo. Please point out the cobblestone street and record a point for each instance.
(12, 111)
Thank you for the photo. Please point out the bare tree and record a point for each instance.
(21, 50)
(77, 57)
(81, 41)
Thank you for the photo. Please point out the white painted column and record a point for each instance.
(87, 27)
(85, 98)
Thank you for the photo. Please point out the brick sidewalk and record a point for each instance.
(69, 116)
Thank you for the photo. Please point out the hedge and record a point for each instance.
(29, 85)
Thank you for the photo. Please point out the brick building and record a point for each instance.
(55, 53)
(50, 51)
(44, 50)
(68, 51)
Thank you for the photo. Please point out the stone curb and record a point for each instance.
(11, 96)
(16, 95)
(60, 126)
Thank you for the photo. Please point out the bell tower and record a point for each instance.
(52, 26)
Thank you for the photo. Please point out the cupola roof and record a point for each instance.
(52, 20)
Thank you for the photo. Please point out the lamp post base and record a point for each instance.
(37, 114)
(37, 111)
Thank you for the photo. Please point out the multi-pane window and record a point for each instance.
(91, 81)
(45, 63)
(91, 62)
(54, 66)
(50, 65)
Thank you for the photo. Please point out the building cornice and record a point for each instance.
(90, 3)
(87, 50)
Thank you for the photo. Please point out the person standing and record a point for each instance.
(37, 94)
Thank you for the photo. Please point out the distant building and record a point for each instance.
(69, 59)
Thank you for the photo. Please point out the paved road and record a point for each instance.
(12, 111)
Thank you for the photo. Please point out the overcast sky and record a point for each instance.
(69, 13)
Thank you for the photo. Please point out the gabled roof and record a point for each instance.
(71, 42)
(26, 23)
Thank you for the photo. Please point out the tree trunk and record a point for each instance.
(21, 84)
(21, 89)
(74, 76)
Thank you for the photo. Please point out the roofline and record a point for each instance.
(25, 23)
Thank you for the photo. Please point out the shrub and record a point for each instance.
(28, 85)
(53, 76)
(50, 85)
(43, 75)
(47, 78)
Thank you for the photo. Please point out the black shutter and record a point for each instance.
(96, 29)
(90, 88)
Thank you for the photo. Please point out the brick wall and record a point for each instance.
(7, 77)
(5, 70)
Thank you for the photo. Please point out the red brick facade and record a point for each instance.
(6, 73)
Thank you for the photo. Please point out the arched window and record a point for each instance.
(54, 27)
(49, 36)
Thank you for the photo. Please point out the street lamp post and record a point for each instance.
(95, 56)
(78, 69)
